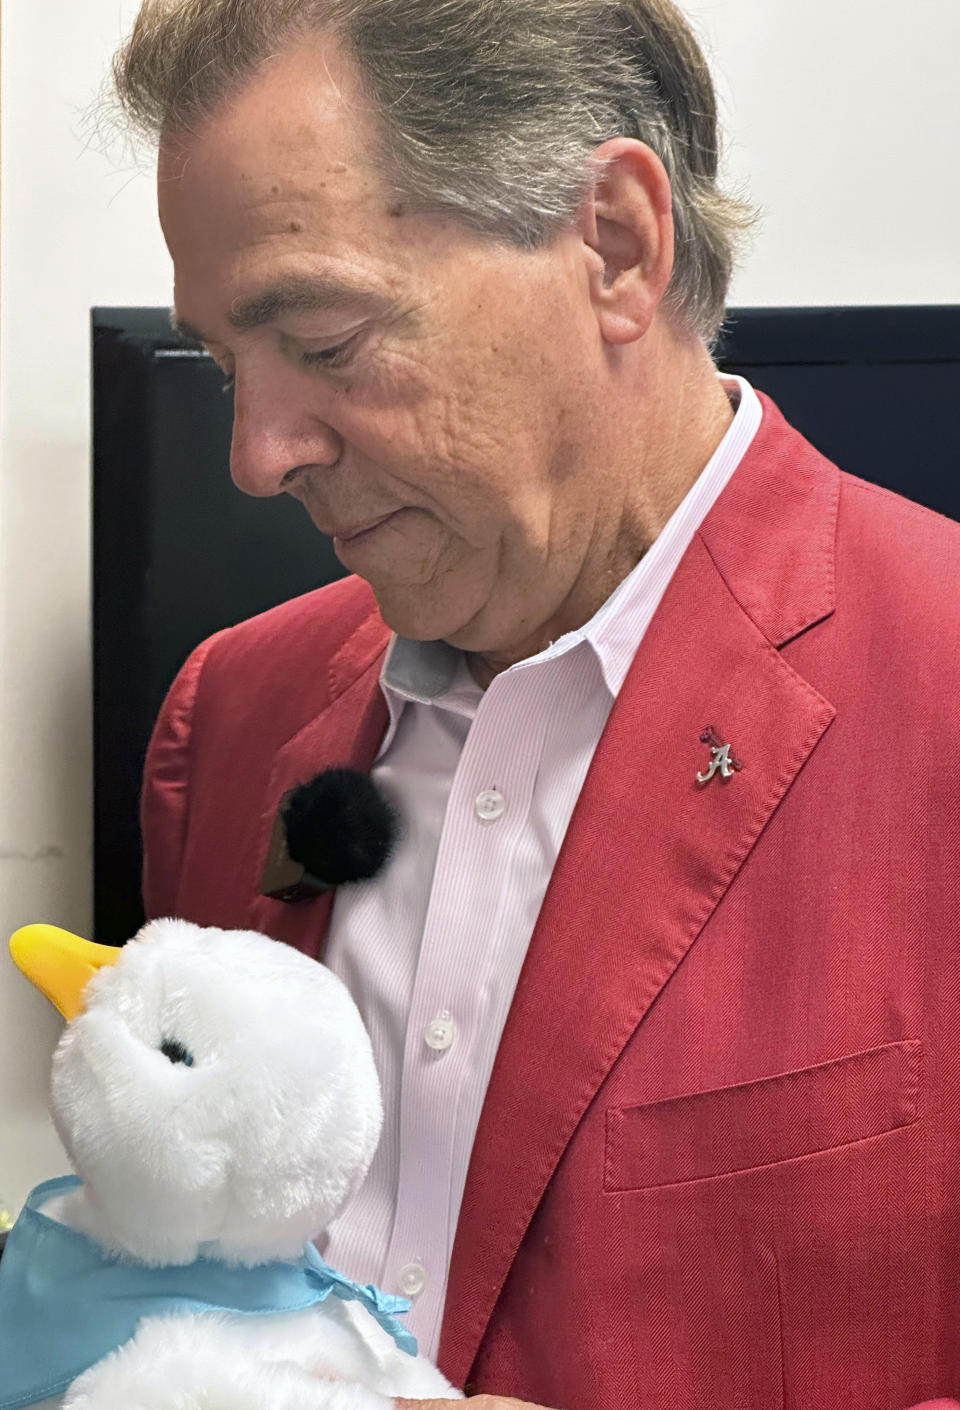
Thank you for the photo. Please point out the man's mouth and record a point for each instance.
(358, 532)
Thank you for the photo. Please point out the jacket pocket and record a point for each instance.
(755, 1124)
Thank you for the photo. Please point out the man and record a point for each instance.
(662, 978)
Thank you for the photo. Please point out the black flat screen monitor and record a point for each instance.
(179, 553)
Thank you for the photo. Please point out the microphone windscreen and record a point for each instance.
(340, 827)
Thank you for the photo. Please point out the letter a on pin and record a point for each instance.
(722, 761)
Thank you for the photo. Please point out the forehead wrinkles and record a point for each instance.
(281, 164)
(261, 148)
(213, 208)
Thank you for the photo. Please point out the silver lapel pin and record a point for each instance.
(722, 760)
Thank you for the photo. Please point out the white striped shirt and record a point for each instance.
(486, 784)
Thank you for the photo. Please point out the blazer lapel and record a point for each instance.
(347, 733)
(650, 852)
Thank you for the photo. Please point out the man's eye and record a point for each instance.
(331, 357)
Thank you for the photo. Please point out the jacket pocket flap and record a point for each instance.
(764, 1122)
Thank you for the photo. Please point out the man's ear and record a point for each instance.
(626, 223)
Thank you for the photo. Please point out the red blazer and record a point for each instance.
(718, 1167)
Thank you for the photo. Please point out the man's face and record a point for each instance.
(440, 426)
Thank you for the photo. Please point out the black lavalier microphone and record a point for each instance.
(333, 830)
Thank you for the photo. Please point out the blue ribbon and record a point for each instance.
(382, 1306)
(64, 1303)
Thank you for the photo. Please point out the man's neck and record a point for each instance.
(687, 432)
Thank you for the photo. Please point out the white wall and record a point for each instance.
(76, 232)
(843, 117)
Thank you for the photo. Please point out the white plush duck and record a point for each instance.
(217, 1096)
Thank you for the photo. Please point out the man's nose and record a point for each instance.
(273, 436)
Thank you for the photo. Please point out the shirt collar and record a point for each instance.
(433, 673)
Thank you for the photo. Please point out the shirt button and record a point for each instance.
(490, 806)
(412, 1279)
(440, 1032)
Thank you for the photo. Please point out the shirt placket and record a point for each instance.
(455, 986)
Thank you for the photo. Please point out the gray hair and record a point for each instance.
(490, 110)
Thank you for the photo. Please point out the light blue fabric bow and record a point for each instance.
(64, 1303)
(383, 1306)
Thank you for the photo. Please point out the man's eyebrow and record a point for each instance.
(303, 295)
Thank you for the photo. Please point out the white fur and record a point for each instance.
(198, 1364)
(250, 1152)
(244, 1156)
(220, 1363)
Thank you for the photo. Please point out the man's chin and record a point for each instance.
(416, 619)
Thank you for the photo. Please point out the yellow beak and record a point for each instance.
(61, 965)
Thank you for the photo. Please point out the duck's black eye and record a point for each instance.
(176, 1052)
